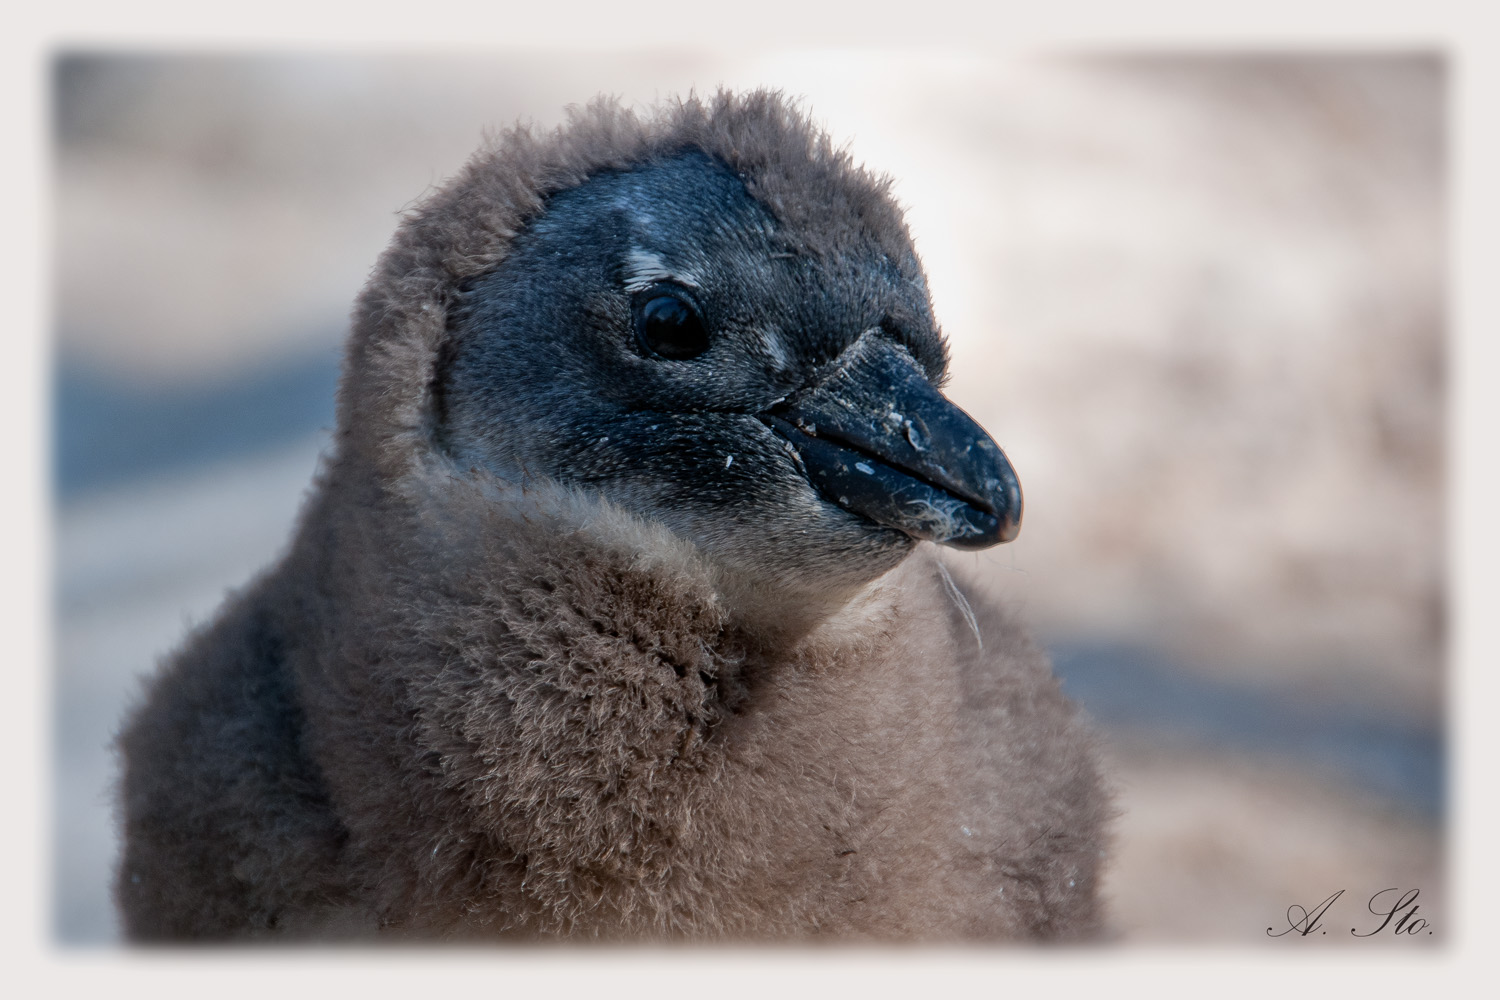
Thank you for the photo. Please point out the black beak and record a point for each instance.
(877, 439)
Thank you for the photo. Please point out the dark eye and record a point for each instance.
(669, 327)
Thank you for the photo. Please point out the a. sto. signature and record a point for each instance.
(1394, 909)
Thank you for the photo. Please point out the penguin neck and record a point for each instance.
(497, 522)
(781, 617)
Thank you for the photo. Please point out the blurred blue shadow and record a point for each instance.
(1142, 693)
(109, 431)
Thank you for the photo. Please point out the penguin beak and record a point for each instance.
(876, 438)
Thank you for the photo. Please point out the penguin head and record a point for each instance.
(660, 337)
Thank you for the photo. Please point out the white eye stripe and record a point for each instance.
(644, 269)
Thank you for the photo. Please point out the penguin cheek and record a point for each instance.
(824, 533)
(794, 541)
(738, 492)
(762, 504)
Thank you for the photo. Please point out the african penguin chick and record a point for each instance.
(610, 614)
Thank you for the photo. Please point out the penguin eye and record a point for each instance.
(670, 327)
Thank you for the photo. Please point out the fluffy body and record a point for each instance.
(476, 702)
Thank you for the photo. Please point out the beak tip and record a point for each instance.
(1009, 501)
(1013, 511)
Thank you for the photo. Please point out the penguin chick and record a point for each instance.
(616, 612)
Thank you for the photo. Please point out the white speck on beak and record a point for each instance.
(862, 467)
(915, 437)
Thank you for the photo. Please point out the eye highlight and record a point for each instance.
(668, 326)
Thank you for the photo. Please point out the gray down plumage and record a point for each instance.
(615, 611)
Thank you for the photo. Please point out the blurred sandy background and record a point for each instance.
(1199, 300)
